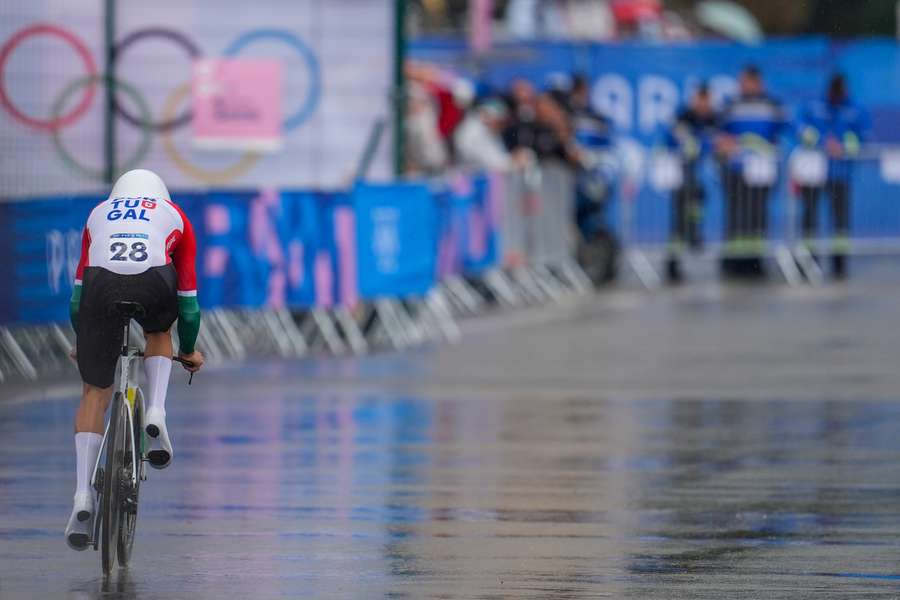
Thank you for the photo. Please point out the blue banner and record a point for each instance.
(41, 245)
(258, 248)
(255, 248)
(396, 238)
(640, 86)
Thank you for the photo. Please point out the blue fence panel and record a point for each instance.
(481, 249)
(397, 229)
(42, 245)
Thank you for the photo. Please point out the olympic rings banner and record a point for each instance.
(315, 79)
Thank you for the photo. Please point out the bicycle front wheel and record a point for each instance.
(111, 505)
(131, 473)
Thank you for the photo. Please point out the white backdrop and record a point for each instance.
(347, 42)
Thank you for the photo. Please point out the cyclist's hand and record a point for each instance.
(195, 358)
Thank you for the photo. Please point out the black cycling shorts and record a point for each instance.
(99, 336)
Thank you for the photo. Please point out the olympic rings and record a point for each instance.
(180, 40)
(83, 53)
(209, 176)
(171, 119)
(312, 98)
(91, 80)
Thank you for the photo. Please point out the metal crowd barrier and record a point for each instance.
(535, 265)
(537, 239)
(793, 210)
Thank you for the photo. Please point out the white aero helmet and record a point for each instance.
(140, 183)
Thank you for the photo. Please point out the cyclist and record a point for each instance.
(137, 246)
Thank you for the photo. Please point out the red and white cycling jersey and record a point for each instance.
(130, 234)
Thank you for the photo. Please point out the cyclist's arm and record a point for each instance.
(75, 300)
(184, 258)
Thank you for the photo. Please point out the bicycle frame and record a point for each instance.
(128, 393)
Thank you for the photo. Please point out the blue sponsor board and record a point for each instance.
(41, 246)
(255, 248)
(396, 238)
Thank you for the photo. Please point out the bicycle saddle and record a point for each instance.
(127, 310)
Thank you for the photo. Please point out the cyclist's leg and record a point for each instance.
(158, 368)
(161, 301)
(98, 341)
(94, 402)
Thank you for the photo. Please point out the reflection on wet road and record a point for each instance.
(346, 495)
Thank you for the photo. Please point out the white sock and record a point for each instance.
(158, 369)
(87, 446)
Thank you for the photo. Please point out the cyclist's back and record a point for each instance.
(136, 246)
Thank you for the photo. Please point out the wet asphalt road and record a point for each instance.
(703, 443)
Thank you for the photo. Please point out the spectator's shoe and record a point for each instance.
(674, 275)
(160, 454)
(839, 266)
(78, 531)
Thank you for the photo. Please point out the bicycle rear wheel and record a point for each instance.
(112, 504)
(130, 491)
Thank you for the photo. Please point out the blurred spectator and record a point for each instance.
(750, 129)
(479, 140)
(691, 138)
(638, 18)
(452, 96)
(596, 177)
(593, 131)
(426, 152)
(530, 19)
(835, 125)
(537, 123)
(589, 20)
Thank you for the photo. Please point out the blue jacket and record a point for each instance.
(592, 130)
(846, 121)
(692, 134)
(756, 121)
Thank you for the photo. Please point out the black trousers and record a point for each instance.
(687, 207)
(746, 207)
(839, 194)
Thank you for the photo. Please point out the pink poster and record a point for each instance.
(237, 104)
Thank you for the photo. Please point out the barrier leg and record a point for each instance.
(292, 331)
(228, 325)
(529, 286)
(330, 336)
(572, 275)
(276, 332)
(500, 285)
(549, 284)
(808, 265)
(411, 329)
(61, 338)
(464, 293)
(644, 270)
(443, 317)
(208, 344)
(788, 265)
(19, 358)
(425, 320)
(386, 315)
(352, 332)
